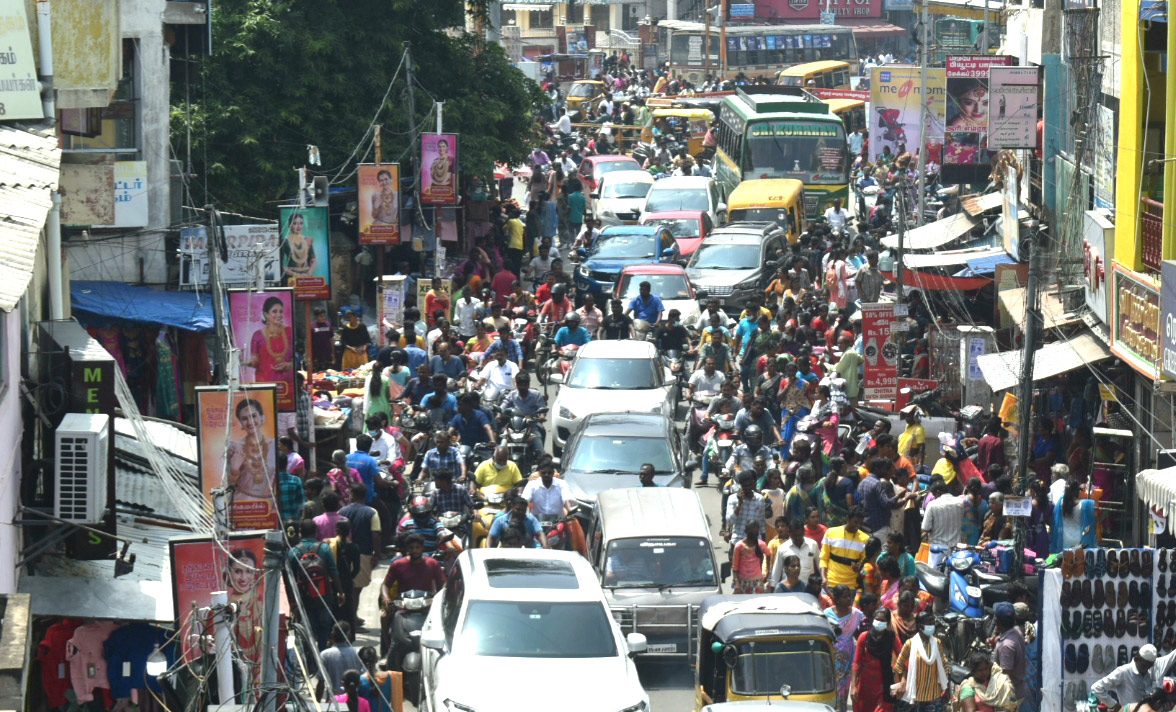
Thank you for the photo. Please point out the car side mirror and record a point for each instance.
(556, 378)
(700, 294)
(721, 209)
(594, 195)
(433, 639)
(637, 643)
(555, 461)
(692, 465)
(581, 253)
(668, 252)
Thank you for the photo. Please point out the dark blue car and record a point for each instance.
(618, 247)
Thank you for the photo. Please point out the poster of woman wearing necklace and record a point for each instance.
(237, 441)
(306, 263)
(262, 329)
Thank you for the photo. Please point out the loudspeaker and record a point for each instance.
(320, 193)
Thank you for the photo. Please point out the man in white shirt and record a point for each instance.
(707, 378)
(466, 311)
(382, 441)
(606, 105)
(942, 522)
(836, 216)
(499, 372)
(564, 124)
(1057, 488)
(548, 496)
(800, 546)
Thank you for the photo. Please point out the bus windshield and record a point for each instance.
(811, 151)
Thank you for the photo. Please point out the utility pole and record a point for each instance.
(275, 556)
(217, 294)
(706, 39)
(722, 40)
(413, 153)
(984, 31)
(226, 694)
(1025, 401)
(923, 64)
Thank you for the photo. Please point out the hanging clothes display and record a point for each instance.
(55, 677)
(167, 402)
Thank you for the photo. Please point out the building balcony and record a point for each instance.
(1151, 232)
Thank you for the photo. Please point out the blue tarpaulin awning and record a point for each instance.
(986, 265)
(120, 301)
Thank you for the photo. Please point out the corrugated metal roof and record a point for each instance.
(148, 544)
(1003, 370)
(174, 438)
(29, 170)
(977, 204)
(934, 235)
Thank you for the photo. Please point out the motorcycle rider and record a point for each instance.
(499, 372)
(443, 456)
(420, 521)
(646, 306)
(554, 310)
(499, 470)
(531, 404)
(447, 363)
(412, 572)
(506, 342)
(447, 498)
(548, 495)
(672, 336)
(570, 333)
(836, 216)
(441, 398)
(712, 310)
(707, 378)
(471, 425)
(716, 344)
(744, 454)
(757, 414)
(726, 393)
(517, 517)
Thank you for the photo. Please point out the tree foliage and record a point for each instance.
(285, 74)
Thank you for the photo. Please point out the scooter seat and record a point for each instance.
(987, 579)
(935, 582)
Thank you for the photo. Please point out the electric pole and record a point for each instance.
(1024, 402)
(217, 292)
(923, 66)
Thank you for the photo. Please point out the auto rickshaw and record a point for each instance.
(689, 124)
(583, 91)
(773, 647)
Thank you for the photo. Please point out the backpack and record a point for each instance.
(314, 580)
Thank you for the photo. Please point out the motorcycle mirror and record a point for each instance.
(412, 662)
(692, 465)
(556, 378)
(555, 461)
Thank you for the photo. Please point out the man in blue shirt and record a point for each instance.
(519, 518)
(445, 362)
(527, 403)
(441, 398)
(416, 355)
(506, 342)
(646, 305)
(470, 425)
(757, 414)
(367, 466)
(571, 332)
(442, 457)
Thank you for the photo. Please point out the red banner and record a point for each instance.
(855, 94)
(880, 353)
(785, 10)
(913, 387)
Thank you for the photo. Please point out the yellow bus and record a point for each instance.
(826, 74)
(851, 111)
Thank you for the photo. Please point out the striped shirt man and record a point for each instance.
(840, 550)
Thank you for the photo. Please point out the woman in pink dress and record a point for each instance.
(271, 350)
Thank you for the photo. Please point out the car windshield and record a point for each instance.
(612, 247)
(613, 374)
(806, 150)
(626, 190)
(621, 455)
(726, 255)
(665, 561)
(583, 91)
(764, 665)
(605, 167)
(667, 199)
(679, 227)
(529, 629)
(665, 286)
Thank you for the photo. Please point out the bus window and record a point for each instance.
(841, 78)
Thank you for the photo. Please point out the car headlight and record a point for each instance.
(451, 706)
(639, 707)
(565, 413)
(583, 272)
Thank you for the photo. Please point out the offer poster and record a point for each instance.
(237, 440)
(1012, 116)
(306, 252)
(438, 169)
(880, 354)
(263, 328)
(379, 204)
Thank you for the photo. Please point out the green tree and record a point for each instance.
(285, 74)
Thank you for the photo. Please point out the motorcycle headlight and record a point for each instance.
(451, 706)
(565, 413)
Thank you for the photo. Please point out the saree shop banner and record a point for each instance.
(438, 169)
(379, 204)
(306, 252)
(879, 352)
(966, 158)
(237, 437)
(262, 325)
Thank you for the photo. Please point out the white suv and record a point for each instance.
(540, 612)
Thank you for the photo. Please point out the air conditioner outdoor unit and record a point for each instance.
(82, 453)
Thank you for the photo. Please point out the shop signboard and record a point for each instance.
(131, 206)
(20, 92)
(250, 249)
(786, 10)
(306, 251)
(1098, 244)
(237, 437)
(262, 324)
(742, 10)
(895, 99)
(438, 169)
(898, 5)
(1135, 326)
(908, 387)
(1168, 320)
(854, 94)
(1104, 159)
(1013, 104)
(1010, 220)
(379, 204)
(880, 353)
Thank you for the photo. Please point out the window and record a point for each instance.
(575, 13)
(509, 17)
(542, 20)
(630, 18)
(600, 17)
(117, 128)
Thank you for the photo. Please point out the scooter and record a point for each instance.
(408, 612)
(675, 364)
(493, 499)
(517, 438)
(700, 402)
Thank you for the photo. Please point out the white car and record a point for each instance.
(687, 193)
(607, 376)
(518, 626)
(621, 197)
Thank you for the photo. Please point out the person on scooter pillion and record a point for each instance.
(420, 521)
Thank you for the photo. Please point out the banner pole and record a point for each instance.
(309, 365)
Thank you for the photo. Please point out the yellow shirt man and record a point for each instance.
(489, 474)
(514, 226)
(837, 547)
(911, 438)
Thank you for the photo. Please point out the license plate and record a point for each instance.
(663, 648)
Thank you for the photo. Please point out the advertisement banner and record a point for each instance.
(855, 94)
(966, 158)
(262, 324)
(1010, 218)
(438, 169)
(908, 387)
(20, 92)
(896, 107)
(199, 566)
(1104, 159)
(306, 252)
(881, 355)
(1136, 329)
(785, 10)
(237, 436)
(251, 248)
(379, 204)
(1168, 319)
(1012, 123)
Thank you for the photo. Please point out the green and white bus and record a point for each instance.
(783, 132)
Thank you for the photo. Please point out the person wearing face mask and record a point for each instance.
(382, 441)
(670, 335)
(872, 674)
(920, 672)
(498, 471)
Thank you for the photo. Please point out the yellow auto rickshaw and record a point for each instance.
(772, 647)
(583, 91)
(778, 200)
(690, 124)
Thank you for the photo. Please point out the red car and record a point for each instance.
(669, 282)
(687, 226)
(593, 167)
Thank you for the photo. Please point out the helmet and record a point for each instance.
(572, 317)
(559, 291)
(753, 432)
(420, 505)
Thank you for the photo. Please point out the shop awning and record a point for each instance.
(913, 279)
(1157, 488)
(987, 264)
(947, 259)
(934, 235)
(977, 204)
(871, 28)
(1053, 314)
(119, 301)
(1003, 370)
(30, 166)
